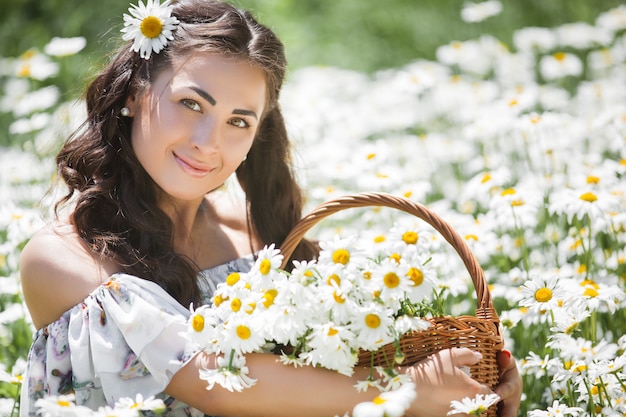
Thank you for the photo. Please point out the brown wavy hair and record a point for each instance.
(116, 211)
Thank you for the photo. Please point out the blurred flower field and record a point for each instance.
(521, 147)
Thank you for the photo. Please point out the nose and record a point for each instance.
(206, 135)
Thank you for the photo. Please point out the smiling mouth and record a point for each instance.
(195, 170)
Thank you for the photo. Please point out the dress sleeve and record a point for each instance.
(124, 339)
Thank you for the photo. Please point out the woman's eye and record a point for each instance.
(240, 123)
(193, 105)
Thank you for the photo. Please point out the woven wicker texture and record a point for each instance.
(480, 332)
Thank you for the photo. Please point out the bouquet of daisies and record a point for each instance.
(324, 313)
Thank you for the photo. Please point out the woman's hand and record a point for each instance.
(510, 387)
(440, 379)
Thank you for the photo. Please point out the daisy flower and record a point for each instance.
(556, 410)
(201, 326)
(559, 65)
(387, 404)
(477, 12)
(139, 403)
(475, 406)
(242, 335)
(60, 406)
(540, 294)
(149, 26)
(330, 348)
(232, 376)
(373, 326)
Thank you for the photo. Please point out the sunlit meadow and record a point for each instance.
(521, 147)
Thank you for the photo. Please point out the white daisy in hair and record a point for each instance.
(149, 26)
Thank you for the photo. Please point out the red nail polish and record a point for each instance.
(506, 353)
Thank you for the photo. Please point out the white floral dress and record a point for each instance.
(122, 340)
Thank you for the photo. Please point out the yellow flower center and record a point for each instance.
(339, 299)
(410, 238)
(395, 257)
(251, 308)
(379, 239)
(334, 278)
(233, 278)
(372, 321)
(391, 280)
(265, 266)
(371, 156)
(218, 299)
(332, 331)
(589, 283)
(416, 275)
(367, 275)
(592, 179)
(543, 294)
(507, 191)
(486, 178)
(235, 305)
(197, 323)
(151, 27)
(63, 403)
(341, 256)
(590, 292)
(24, 71)
(471, 237)
(517, 203)
(243, 332)
(379, 401)
(269, 297)
(559, 56)
(589, 197)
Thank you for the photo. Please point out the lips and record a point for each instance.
(192, 167)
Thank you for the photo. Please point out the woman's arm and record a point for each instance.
(283, 390)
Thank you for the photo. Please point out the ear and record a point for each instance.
(131, 104)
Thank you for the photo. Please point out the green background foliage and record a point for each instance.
(363, 35)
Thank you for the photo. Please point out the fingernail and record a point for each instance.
(506, 353)
(478, 355)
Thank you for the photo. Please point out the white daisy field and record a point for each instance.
(520, 147)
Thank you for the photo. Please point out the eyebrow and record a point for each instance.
(208, 97)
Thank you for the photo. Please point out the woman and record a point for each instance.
(193, 99)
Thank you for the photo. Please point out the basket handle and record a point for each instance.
(484, 302)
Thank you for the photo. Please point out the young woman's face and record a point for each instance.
(196, 123)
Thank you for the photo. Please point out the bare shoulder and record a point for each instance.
(57, 272)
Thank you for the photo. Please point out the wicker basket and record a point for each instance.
(480, 332)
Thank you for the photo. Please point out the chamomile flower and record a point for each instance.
(140, 403)
(387, 404)
(475, 406)
(268, 261)
(477, 12)
(60, 406)
(232, 376)
(329, 347)
(242, 335)
(559, 65)
(556, 410)
(149, 26)
(201, 326)
(372, 325)
(540, 294)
